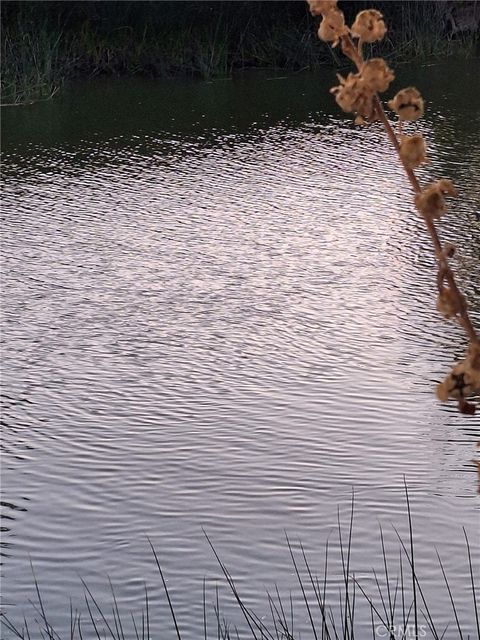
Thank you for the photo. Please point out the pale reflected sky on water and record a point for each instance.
(220, 312)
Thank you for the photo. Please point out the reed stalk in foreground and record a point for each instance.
(358, 94)
(333, 605)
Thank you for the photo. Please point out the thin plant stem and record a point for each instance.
(472, 582)
(356, 55)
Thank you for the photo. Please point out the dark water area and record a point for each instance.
(219, 314)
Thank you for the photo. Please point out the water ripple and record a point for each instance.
(225, 330)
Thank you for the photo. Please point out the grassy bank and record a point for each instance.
(396, 602)
(47, 43)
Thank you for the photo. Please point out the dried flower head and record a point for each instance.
(377, 75)
(449, 303)
(354, 96)
(369, 26)
(413, 150)
(458, 384)
(463, 381)
(321, 7)
(332, 27)
(431, 201)
(408, 104)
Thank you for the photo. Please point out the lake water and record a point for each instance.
(219, 314)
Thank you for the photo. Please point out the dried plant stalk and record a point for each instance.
(358, 94)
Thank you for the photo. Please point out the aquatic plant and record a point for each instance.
(330, 606)
(44, 44)
(358, 94)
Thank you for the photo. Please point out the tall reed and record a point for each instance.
(45, 44)
(398, 607)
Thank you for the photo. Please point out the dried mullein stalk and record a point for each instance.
(358, 94)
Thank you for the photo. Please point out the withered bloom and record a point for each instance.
(408, 104)
(321, 7)
(463, 381)
(413, 150)
(377, 75)
(456, 385)
(332, 27)
(431, 201)
(354, 96)
(369, 26)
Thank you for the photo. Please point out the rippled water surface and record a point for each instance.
(219, 314)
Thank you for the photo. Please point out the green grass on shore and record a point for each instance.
(47, 43)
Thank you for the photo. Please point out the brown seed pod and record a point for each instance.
(321, 7)
(408, 104)
(431, 200)
(369, 26)
(413, 150)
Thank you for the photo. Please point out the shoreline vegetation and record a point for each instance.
(46, 44)
(393, 597)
